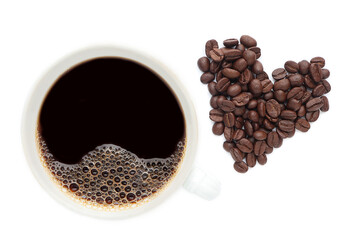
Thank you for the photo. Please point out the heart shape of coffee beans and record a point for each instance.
(254, 113)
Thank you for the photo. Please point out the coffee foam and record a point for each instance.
(110, 177)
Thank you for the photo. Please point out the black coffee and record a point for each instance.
(111, 131)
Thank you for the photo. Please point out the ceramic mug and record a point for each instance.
(193, 178)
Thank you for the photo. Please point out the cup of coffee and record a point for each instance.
(110, 132)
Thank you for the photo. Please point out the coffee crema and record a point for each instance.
(111, 133)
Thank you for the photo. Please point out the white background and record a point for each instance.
(305, 191)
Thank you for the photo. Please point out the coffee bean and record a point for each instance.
(222, 85)
(262, 159)
(256, 50)
(218, 128)
(267, 85)
(296, 92)
(306, 97)
(249, 56)
(214, 67)
(312, 116)
(204, 64)
(303, 67)
(231, 42)
(231, 54)
(279, 74)
(274, 140)
(302, 111)
(315, 72)
(240, 64)
(248, 41)
(268, 149)
(325, 106)
(253, 116)
(294, 104)
(230, 73)
(212, 88)
(318, 60)
(281, 133)
(213, 102)
(261, 108)
(210, 45)
(236, 154)
(251, 160)
(283, 84)
(255, 87)
(228, 133)
(325, 73)
(241, 47)
(319, 90)
(288, 115)
(255, 126)
(309, 82)
(291, 66)
(227, 106)
(233, 90)
(241, 99)
(267, 96)
(225, 64)
(252, 104)
(259, 148)
(248, 128)
(229, 119)
(244, 145)
(240, 167)
(302, 125)
(219, 76)
(207, 77)
(326, 84)
(273, 108)
(239, 123)
(296, 80)
(268, 124)
(280, 96)
(245, 116)
(314, 104)
(217, 55)
(220, 99)
(216, 115)
(228, 146)
(286, 125)
(260, 135)
(245, 78)
(238, 134)
(257, 67)
(239, 111)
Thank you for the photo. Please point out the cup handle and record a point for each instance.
(202, 184)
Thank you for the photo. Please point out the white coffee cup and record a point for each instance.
(193, 178)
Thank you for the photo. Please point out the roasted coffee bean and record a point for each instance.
(255, 87)
(233, 90)
(281, 133)
(268, 124)
(245, 116)
(296, 80)
(253, 116)
(325, 106)
(318, 60)
(262, 76)
(219, 76)
(262, 159)
(314, 104)
(257, 67)
(256, 50)
(279, 74)
(280, 96)
(212, 88)
(325, 73)
(251, 159)
(241, 47)
(259, 148)
(252, 104)
(303, 67)
(294, 104)
(214, 67)
(228, 146)
(288, 115)
(248, 41)
(312, 116)
(216, 115)
(228, 133)
(248, 128)
(274, 140)
(302, 125)
(239, 123)
(231, 54)
(268, 149)
(240, 167)
(261, 108)
(302, 111)
(230, 73)
(204, 64)
(213, 102)
(220, 99)
(286, 125)
(291, 66)
(222, 85)
(218, 128)
(207, 77)
(309, 82)
(227, 106)
(239, 111)
(231, 42)
(296, 92)
(226, 64)
(229, 119)
(306, 97)
(238, 134)
(249, 56)
(217, 55)
(236, 154)
(267, 85)
(267, 96)
(319, 90)
(255, 126)
(244, 145)
(283, 84)
(241, 99)
(315, 72)
(240, 65)
(273, 108)
(210, 45)
(246, 76)
(260, 135)
(326, 84)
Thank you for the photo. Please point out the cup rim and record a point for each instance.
(39, 91)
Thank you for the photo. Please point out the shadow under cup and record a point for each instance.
(109, 132)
